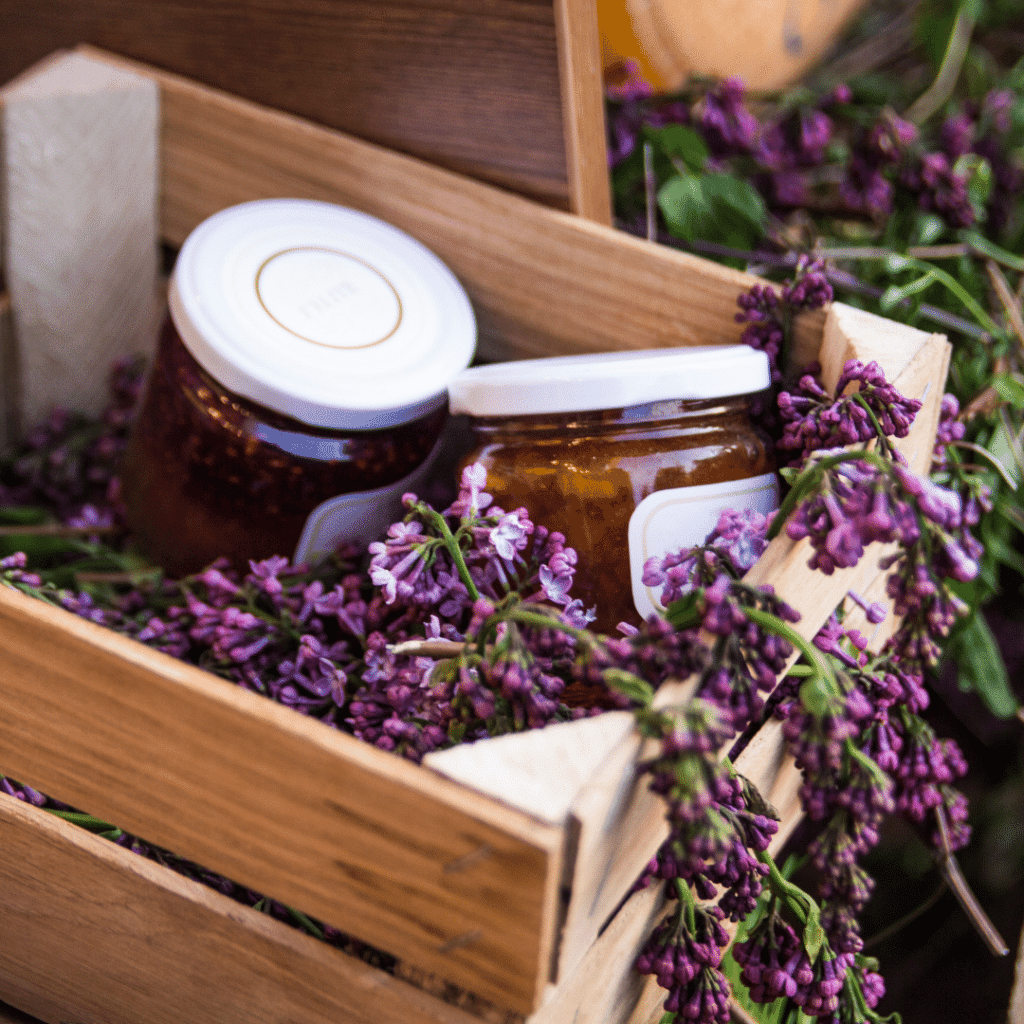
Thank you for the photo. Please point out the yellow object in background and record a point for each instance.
(768, 44)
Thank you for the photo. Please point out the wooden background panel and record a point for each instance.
(470, 84)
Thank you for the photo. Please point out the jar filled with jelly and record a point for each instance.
(299, 387)
(630, 454)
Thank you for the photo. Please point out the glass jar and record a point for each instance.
(298, 388)
(631, 455)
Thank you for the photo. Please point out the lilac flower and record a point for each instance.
(727, 126)
(813, 420)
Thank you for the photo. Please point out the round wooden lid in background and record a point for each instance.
(769, 44)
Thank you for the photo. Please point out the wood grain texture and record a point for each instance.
(387, 851)
(541, 281)
(582, 89)
(473, 85)
(93, 934)
(79, 174)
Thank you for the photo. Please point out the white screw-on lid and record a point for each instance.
(608, 380)
(322, 313)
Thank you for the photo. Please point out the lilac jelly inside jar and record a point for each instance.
(299, 387)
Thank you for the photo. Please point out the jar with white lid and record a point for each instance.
(299, 386)
(629, 454)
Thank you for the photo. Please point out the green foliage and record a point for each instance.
(981, 668)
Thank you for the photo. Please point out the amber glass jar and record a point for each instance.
(298, 387)
(630, 455)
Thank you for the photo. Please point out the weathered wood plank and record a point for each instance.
(94, 934)
(387, 851)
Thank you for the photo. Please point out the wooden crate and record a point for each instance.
(498, 868)
(508, 91)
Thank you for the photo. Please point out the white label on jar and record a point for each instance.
(329, 297)
(682, 517)
(360, 517)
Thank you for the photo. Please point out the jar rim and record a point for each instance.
(608, 380)
(323, 313)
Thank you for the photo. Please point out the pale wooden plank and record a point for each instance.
(392, 853)
(92, 933)
(605, 989)
(541, 771)
(79, 171)
(582, 87)
(852, 333)
(541, 281)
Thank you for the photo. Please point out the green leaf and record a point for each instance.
(684, 613)
(981, 244)
(686, 208)
(813, 937)
(676, 140)
(897, 293)
(814, 698)
(632, 686)
(737, 196)
(982, 670)
(24, 515)
(1010, 388)
(928, 228)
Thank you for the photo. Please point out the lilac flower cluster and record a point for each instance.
(69, 462)
(776, 965)
(685, 956)
(814, 420)
(849, 503)
(769, 315)
(824, 154)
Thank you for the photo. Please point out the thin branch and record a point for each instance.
(955, 879)
(875, 252)
(738, 1013)
(434, 648)
(130, 577)
(952, 322)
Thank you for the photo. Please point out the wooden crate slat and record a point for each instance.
(404, 859)
(92, 933)
(582, 92)
(542, 282)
